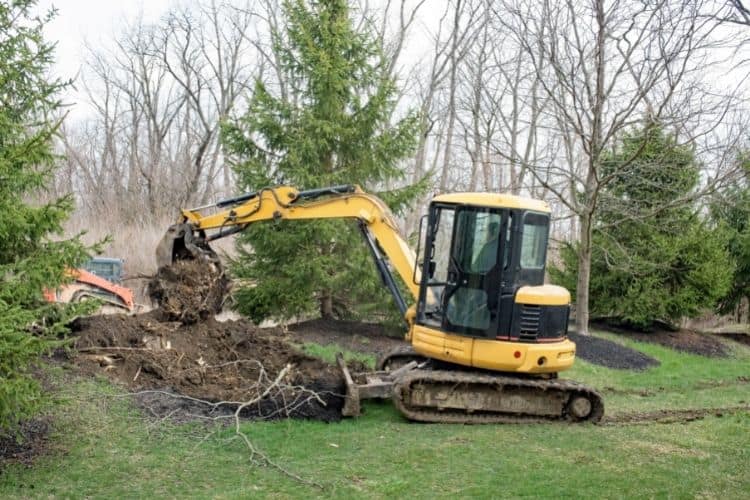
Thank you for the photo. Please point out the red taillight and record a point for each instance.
(517, 354)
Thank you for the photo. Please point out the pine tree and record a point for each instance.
(30, 260)
(733, 211)
(655, 256)
(331, 126)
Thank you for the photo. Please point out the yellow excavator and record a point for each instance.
(486, 337)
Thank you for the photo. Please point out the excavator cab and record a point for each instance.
(477, 257)
(482, 300)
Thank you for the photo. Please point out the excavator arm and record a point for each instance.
(190, 238)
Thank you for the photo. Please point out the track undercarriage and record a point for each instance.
(422, 393)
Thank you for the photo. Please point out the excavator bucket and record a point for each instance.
(182, 242)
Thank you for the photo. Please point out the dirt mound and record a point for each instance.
(604, 352)
(232, 362)
(680, 340)
(189, 290)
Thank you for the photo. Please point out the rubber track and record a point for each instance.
(459, 417)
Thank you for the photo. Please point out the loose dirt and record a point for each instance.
(31, 442)
(607, 353)
(232, 362)
(189, 291)
(184, 363)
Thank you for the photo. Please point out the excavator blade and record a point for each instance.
(182, 242)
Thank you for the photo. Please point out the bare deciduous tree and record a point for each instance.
(604, 67)
(157, 101)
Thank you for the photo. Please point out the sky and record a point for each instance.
(95, 22)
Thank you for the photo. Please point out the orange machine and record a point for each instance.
(87, 285)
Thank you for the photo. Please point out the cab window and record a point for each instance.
(478, 240)
(534, 240)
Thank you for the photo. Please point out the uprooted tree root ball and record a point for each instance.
(229, 363)
(189, 290)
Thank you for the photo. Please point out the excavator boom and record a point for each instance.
(190, 238)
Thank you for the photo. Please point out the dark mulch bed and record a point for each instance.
(354, 336)
(607, 353)
(742, 338)
(31, 442)
(682, 340)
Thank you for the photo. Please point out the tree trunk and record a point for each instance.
(584, 276)
(326, 305)
(451, 101)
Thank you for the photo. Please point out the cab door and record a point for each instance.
(471, 299)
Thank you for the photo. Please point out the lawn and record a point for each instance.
(105, 447)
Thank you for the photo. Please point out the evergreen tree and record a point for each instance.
(331, 125)
(733, 211)
(29, 260)
(655, 257)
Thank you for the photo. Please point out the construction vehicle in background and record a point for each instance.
(486, 336)
(108, 268)
(100, 278)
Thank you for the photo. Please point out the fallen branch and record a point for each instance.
(265, 387)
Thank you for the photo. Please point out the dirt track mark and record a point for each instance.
(672, 416)
(702, 384)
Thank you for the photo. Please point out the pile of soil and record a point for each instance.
(604, 352)
(189, 290)
(189, 364)
(680, 340)
(211, 361)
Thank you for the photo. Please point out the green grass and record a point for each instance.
(680, 381)
(328, 353)
(105, 448)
